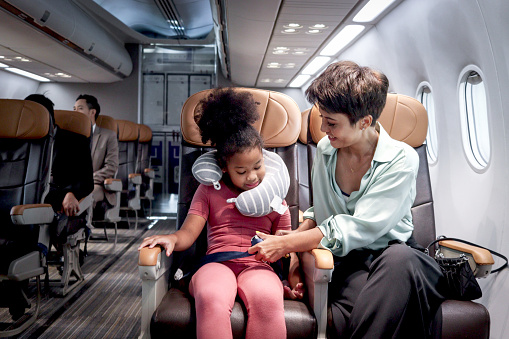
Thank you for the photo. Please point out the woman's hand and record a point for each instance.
(70, 205)
(270, 250)
(166, 241)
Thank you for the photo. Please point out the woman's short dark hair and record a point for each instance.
(345, 87)
(225, 117)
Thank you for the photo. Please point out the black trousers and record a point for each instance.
(392, 293)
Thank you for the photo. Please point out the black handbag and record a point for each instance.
(459, 277)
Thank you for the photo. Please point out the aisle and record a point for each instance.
(108, 303)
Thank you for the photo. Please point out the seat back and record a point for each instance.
(127, 150)
(26, 142)
(279, 126)
(105, 121)
(144, 144)
(405, 119)
(304, 169)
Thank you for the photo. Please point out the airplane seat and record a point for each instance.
(26, 143)
(169, 313)
(127, 159)
(304, 171)
(76, 138)
(103, 212)
(405, 119)
(143, 165)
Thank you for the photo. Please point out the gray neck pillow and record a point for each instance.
(259, 201)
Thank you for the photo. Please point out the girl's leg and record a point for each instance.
(262, 293)
(214, 287)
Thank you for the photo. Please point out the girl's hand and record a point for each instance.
(166, 241)
(296, 293)
(270, 249)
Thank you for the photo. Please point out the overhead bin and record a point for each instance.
(69, 21)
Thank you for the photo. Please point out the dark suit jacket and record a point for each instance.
(104, 158)
(71, 168)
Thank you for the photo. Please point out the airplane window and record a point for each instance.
(425, 96)
(475, 119)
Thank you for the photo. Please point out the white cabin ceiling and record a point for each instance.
(250, 32)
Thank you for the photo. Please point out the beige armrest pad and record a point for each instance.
(323, 259)
(135, 178)
(113, 184)
(149, 172)
(481, 256)
(32, 214)
(148, 256)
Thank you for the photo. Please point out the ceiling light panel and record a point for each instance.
(372, 10)
(301, 46)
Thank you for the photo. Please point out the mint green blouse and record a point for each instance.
(375, 214)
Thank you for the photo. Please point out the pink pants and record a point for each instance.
(214, 287)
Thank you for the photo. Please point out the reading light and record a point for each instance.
(300, 80)
(343, 38)
(372, 10)
(315, 65)
(27, 74)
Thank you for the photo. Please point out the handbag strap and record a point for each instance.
(440, 238)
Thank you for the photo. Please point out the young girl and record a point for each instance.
(225, 119)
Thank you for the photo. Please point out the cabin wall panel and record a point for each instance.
(13, 86)
(433, 41)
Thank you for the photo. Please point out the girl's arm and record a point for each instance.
(180, 240)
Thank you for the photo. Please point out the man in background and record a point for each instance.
(104, 149)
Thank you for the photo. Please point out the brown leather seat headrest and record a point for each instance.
(127, 130)
(145, 133)
(23, 119)
(105, 121)
(403, 117)
(303, 135)
(73, 121)
(279, 123)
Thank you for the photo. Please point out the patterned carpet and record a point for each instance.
(108, 303)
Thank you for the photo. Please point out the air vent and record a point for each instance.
(168, 9)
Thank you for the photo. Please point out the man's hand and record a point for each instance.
(70, 205)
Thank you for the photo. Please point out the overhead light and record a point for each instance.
(265, 80)
(343, 38)
(279, 52)
(290, 31)
(300, 80)
(292, 25)
(315, 65)
(3, 65)
(372, 10)
(313, 31)
(27, 74)
(273, 65)
(279, 81)
(299, 53)
(289, 65)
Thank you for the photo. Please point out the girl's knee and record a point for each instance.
(398, 258)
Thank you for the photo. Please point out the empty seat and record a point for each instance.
(127, 159)
(143, 165)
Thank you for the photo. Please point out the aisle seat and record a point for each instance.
(26, 141)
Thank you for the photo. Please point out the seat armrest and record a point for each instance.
(31, 214)
(481, 260)
(135, 178)
(149, 173)
(85, 203)
(114, 185)
(153, 265)
(317, 266)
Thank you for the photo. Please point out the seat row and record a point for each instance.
(30, 225)
(167, 309)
